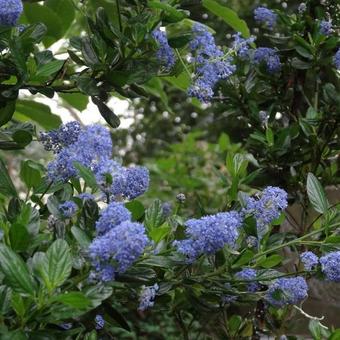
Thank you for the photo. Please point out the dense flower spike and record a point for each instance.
(10, 11)
(66, 135)
(326, 27)
(337, 59)
(68, 209)
(330, 265)
(115, 251)
(113, 215)
(136, 182)
(269, 57)
(242, 46)
(309, 260)
(147, 297)
(209, 234)
(248, 274)
(165, 53)
(100, 322)
(287, 291)
(265, 16)
(267, 208)
(92, 147)
(211, 64)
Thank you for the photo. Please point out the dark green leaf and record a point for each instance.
(316, 194)
(16, 272)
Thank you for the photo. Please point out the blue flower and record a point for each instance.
(166, 209)
(66, 135)
(136, 182)
(309, 260)
(326, 27)
(147, 297)
(211, 64)
(287, 291)
(249, 274)
(209, 234)
(165, 53)
(269, 57)
(337, 59)
(10, 11)
(92, 147)
(116, 250)
(113, 215)
(267, 207)
(265, 16)
(100, 322)
(330, 266)
(68, 209)
(241, 45)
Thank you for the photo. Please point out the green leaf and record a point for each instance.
(229, 16)
(81, 237)
(173, 15)
(30, 173)
(316, 194)
(6, 185)
(16, 272)
(50, 68)
(64, 9)
(243, 258)
(19, 237)
(154, 215)
(57, 265)
(87, 175)
(38, 112)
(77, 100)
(36, 13)
(270, 261)
(136, 208)
(6, 112)
(74, 299)
(106, 113)
(158, 234)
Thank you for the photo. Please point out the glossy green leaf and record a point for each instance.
(6, 185)
(229, 16)
(16, 272)
(316, 194)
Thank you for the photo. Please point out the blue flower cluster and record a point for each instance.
(330, 266)
(92, 147)
(10, 11)
(337, 59)
(209, 234)
(68, 209)
(100, 322)
(113, 215)
(265, 16)
(242, 46)
(165, 53)
(249, 274)
(211, 64)
(269, 57)
(287, 291)
(116, 250)
(309, 260)
(326, 27)
(116, 180)
(56, 140)
(147, 297)
(267, 207)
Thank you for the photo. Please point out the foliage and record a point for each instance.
(194, 244)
